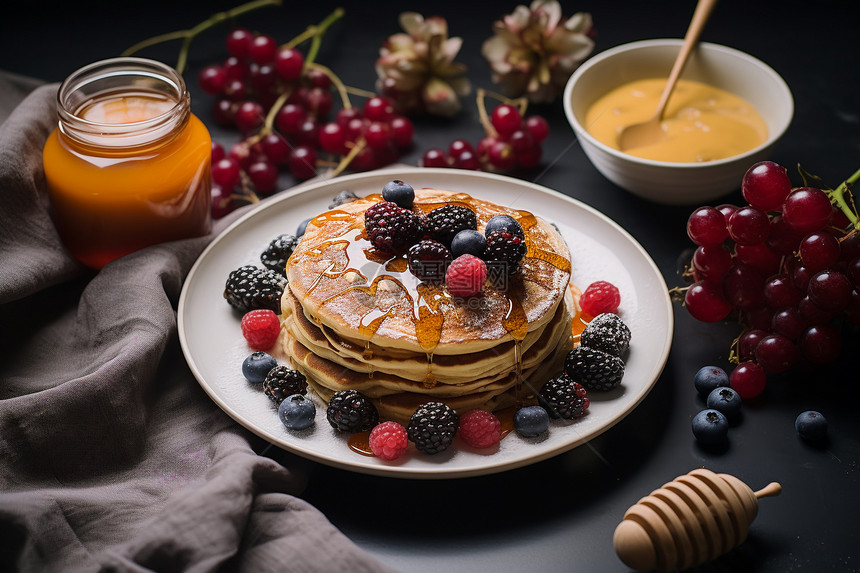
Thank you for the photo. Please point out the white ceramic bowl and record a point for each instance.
(669, 182)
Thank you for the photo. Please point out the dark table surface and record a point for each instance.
(559, 514)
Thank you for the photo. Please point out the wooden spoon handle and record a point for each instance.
(697, 24)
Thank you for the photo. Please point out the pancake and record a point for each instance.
(356, 318)
(343, 283)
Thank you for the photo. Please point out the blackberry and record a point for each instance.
(428, 260)
(345, 196)
(281, 382)
(560, 398)
(505, 249)
(251, 287)
(400, 192)
(351, 411)
(443, 223)
(391, 228)
(432, 427)
(607, 332)
(594, 369)
(276, 254)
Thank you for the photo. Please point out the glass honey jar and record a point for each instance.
(128, 164)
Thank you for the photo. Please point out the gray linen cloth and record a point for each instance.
(111, 455)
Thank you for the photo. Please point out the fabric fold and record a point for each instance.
(112, 457)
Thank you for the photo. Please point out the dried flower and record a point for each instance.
(535, 50)
(417, 71)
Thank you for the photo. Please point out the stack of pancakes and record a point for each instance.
(356, 318)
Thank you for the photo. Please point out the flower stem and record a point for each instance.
(188, 35)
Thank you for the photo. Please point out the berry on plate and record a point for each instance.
(562, 397)
(399, 192)
(256, 365)
(606, 332)
(600, 297)
(297, 412)
(480, 428)
(432, 427)
(466, 276)
(281, 382)
(251, 287)
(388, 441)
(594, 369)
(260, 328)
(531, 421)
(351, 411)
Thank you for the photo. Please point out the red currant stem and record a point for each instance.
(347, 159)
(188, 35)
(247, 189)
(341, 88)
(360, 92)
(314, 33)
(484, 116)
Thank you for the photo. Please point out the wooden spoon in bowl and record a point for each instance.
(651, 131)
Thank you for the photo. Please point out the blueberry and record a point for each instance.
(399, 192)
(725, 400)
(811, 425)
(710, 427)
(504, 223)
(531, 421)
(345, 196)
(297, 412)
(468, 241)
(300, 230)
(708, 378)
(257, 365)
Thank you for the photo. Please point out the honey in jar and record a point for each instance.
(128, 164)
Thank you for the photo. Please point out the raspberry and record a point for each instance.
(466, 276)
(480, 428)
(260, 328)
(428, 260)
(388, 441)
(443, 223)
(251, 287)
(391, 228)
(506, 249)
(281, 382)
(600, 297)
(276, 254)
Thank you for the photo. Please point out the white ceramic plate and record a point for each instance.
(601, 250)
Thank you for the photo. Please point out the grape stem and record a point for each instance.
(838, 195)
(187, 36)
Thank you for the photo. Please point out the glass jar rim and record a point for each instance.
(114, 74)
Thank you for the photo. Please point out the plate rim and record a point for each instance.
(436, 471)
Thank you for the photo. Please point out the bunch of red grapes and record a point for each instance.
(788, 263)
(512, 141)
(301, 134)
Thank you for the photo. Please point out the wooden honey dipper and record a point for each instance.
(693, 519)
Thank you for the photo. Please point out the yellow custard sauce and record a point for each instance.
(701, 122)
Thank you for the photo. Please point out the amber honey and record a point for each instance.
(128, 165)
